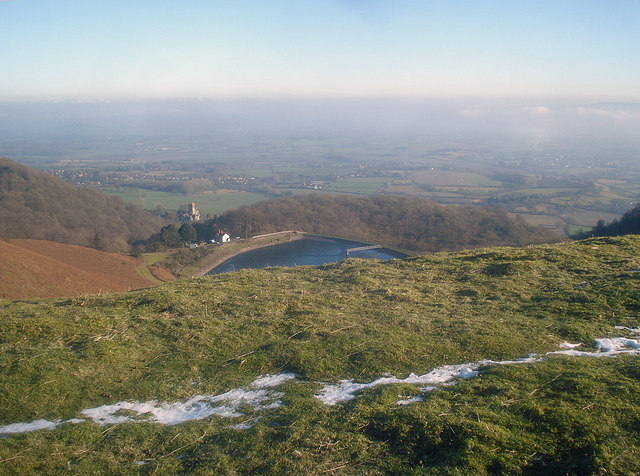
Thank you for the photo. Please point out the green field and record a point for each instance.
(575, 229)
(361, 186)
(454, 178)
(213, 204)
(326, 370)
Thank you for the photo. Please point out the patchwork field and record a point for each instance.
(454, 178)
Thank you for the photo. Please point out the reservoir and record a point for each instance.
(306, 251)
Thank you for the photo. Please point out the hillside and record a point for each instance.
(476, 362)
(410, 223)
(36, 205)
(37, 268)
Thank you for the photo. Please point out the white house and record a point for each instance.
(222, 237)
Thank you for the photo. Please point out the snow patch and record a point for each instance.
(568, 345)
(261, 396)
(245, 425)
(618, 345)
(225, 405)
(410, 400)
(635, 330)
(36, 425)
(346, 390)
(268, 381)
(605, 347)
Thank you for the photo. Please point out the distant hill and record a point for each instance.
(410, 223)
(35, 268)
(36, 205)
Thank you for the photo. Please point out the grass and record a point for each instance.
(361, 186)
(149, 260)
(213, 203)
(352, 320)
(575, 229)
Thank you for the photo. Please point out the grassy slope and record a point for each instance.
(39, 268)
(357, 319)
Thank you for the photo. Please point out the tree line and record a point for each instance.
(410, 223)
(629, 223)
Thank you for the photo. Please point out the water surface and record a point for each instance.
(313, 251)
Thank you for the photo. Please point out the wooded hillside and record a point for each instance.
(410, 223)
(629, 223)
(36, 205)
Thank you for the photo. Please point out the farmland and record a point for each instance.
(564, 188)
(208, 203)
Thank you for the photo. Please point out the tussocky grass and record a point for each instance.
(357, 320)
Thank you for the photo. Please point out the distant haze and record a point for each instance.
(527, 72)
(522, 122)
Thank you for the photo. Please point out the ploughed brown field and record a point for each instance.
(44, 269)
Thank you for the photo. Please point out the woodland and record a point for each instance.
(39, 206)
(414, 224)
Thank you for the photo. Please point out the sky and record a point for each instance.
(79, 50)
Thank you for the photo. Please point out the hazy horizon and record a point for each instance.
(479, 72)
(522, 119)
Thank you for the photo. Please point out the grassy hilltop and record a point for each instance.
(357, 320)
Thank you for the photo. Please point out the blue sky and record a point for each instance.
(136, 49)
